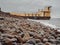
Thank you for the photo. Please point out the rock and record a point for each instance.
(1, 18)
(8, 42)
(7, 35)
(45, 40)
(40, 43)
(27, 44)
(26, 36)
(1, 30)
(18, 31)
(19, 39)
(58, 31)
(52, 41)
(58, 40)
(58, 35)
(0, 43)
(47, 43)
(37, 40)
(31, 41)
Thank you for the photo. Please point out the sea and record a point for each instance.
(53, 22)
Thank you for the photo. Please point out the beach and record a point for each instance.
(20, 31)
(53, 22)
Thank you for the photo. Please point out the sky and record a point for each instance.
(30, 6)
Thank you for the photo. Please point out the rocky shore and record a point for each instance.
(17, 31)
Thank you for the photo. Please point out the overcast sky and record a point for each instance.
(30, 6)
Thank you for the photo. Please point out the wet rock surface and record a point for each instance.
(15, 31)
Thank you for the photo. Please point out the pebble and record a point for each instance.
(31, 41)
(45, 40)
(58, 40)
(52, 40)
(0, 43)
(19, 31)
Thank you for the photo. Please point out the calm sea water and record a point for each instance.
(53, 21)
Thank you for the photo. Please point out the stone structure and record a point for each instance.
(41, 13)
